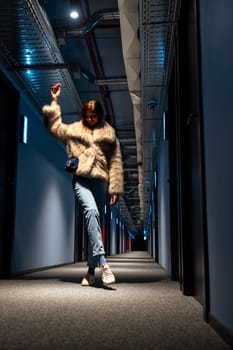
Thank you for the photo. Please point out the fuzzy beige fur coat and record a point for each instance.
(97, 149)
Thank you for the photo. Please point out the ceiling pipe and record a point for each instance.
(129, 23)
(97, 65)
(111, 81)
(97, 18)
(87, 30)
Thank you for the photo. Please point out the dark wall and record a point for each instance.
(8, 160)
(45, 206)
(217, 87)
(36, 198)
(164, 235)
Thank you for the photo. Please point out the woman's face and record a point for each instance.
(92, 118)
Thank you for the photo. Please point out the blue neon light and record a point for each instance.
(25, 129)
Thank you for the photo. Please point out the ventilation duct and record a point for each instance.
(129, 22)
(148, 66)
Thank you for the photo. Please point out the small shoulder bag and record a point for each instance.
(71, 164)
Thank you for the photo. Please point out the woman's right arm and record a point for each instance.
(52, 115)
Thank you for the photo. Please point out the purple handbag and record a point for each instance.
(71, 164)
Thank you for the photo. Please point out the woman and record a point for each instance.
(94, 143)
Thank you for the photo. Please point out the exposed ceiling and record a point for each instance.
(118, 52)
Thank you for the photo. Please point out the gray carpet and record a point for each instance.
(143, 310)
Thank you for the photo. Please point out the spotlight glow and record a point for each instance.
(74, 14)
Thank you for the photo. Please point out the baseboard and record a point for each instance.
(226, 334)
(25, 272)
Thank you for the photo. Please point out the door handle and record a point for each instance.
(190, 117)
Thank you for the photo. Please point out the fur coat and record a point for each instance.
(97, 149)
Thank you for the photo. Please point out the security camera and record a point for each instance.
(152, 103)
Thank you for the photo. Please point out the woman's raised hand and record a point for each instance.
(55, 91)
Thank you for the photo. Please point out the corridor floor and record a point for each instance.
(143, 310)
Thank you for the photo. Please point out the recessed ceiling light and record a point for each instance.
(74, 14)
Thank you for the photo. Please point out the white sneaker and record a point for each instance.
(88, 280)
(107, 275)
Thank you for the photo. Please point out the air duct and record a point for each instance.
(129, 23)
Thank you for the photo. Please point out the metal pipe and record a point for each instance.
(95, 58)
(95, 19)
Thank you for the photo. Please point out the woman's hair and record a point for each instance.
(93, 106)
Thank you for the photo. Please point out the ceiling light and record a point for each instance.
(74, 9)
(74, 14)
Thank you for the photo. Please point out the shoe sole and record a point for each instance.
(107, 284)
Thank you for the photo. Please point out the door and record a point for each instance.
(191, 212)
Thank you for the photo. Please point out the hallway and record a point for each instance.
(143, 310)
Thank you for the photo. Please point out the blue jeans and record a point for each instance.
(91, 194)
